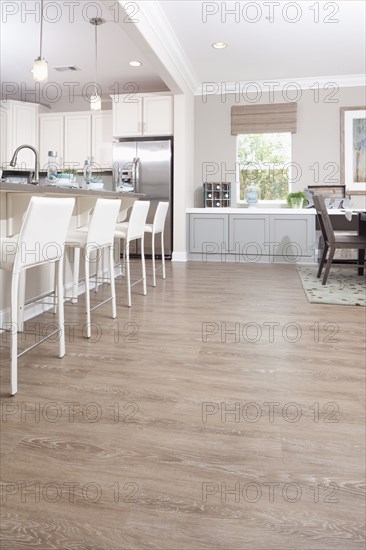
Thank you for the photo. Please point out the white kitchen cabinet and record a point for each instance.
(157, 116)
(127, 116)
(77, 140)
(3, 137)
(142, 115)
(51, 138)
(102, 130)
(76, 137)
(23, 131)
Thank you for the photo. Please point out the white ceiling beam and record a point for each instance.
(149, 28)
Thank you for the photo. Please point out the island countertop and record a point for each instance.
(70, 191)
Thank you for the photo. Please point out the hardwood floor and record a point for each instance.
(166, 431)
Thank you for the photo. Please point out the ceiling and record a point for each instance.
(270, 48)
(70, 41)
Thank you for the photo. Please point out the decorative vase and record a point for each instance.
(252, 195)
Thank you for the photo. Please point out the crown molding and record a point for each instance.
(155, 15)
(219, 88)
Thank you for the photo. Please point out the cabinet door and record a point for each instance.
(249, 237)
(3, 138)
(102, 139)
(51, 138)
(293, 237)
(77, 140)
(127, 116)
(208, 233)
(158, 116)
(24, 131)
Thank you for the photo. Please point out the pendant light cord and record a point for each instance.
(41, 33)
(96, 56)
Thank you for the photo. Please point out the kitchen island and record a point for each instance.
(14, 200)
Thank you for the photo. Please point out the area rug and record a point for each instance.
(343, 287)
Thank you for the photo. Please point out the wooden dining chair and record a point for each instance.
(333, 242)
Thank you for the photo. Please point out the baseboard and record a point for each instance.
(179, 257)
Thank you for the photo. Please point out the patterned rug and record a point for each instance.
(343, 287)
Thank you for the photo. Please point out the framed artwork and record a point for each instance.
(353, 148)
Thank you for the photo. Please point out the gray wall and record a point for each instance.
(317, 138)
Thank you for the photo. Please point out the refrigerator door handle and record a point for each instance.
(136, 174)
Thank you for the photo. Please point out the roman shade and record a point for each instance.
(263, 119)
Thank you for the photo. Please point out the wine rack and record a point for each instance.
(217, 194)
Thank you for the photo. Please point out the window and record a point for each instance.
(265, 159)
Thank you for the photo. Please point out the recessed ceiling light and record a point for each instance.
(219, 45)
(135, 63)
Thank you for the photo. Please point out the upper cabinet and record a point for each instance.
(51, 138)
(76, 137)
(102, 129)
(21, 128)
(157, 116)
(142, 115)
(3, 136)
(127, 116)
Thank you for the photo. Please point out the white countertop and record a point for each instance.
(259, 210)
(252, 211)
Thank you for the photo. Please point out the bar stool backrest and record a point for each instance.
(159, 218)
(103, 222)
(324, 219)
(137, 221)
(43, 232)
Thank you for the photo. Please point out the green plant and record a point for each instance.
(296, 197)
(69, 171)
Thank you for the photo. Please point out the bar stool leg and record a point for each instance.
(113, 286)
(143, 265)
(75, 282)
(87, 297)
(14, 334)
(153, 257)
(59, 288)
(128, 274)
(97, 262)
(21, 301)
(163, 253)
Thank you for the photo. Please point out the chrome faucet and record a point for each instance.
(35, 179)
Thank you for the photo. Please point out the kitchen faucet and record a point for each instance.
(35, 179)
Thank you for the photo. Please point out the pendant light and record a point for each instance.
(40, 66)
(95, 99)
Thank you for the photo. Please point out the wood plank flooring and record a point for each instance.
(222, 412)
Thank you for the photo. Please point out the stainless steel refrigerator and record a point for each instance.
(146, 166)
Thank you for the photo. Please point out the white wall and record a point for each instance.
(183, 169)
(317, 138)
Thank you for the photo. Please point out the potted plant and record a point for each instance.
(296, 200)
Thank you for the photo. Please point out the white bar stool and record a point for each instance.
(99, 234)
(41, 240)
(130, 231)
(155, 228)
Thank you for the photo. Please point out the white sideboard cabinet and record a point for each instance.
(260, 235)
(208, 233)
